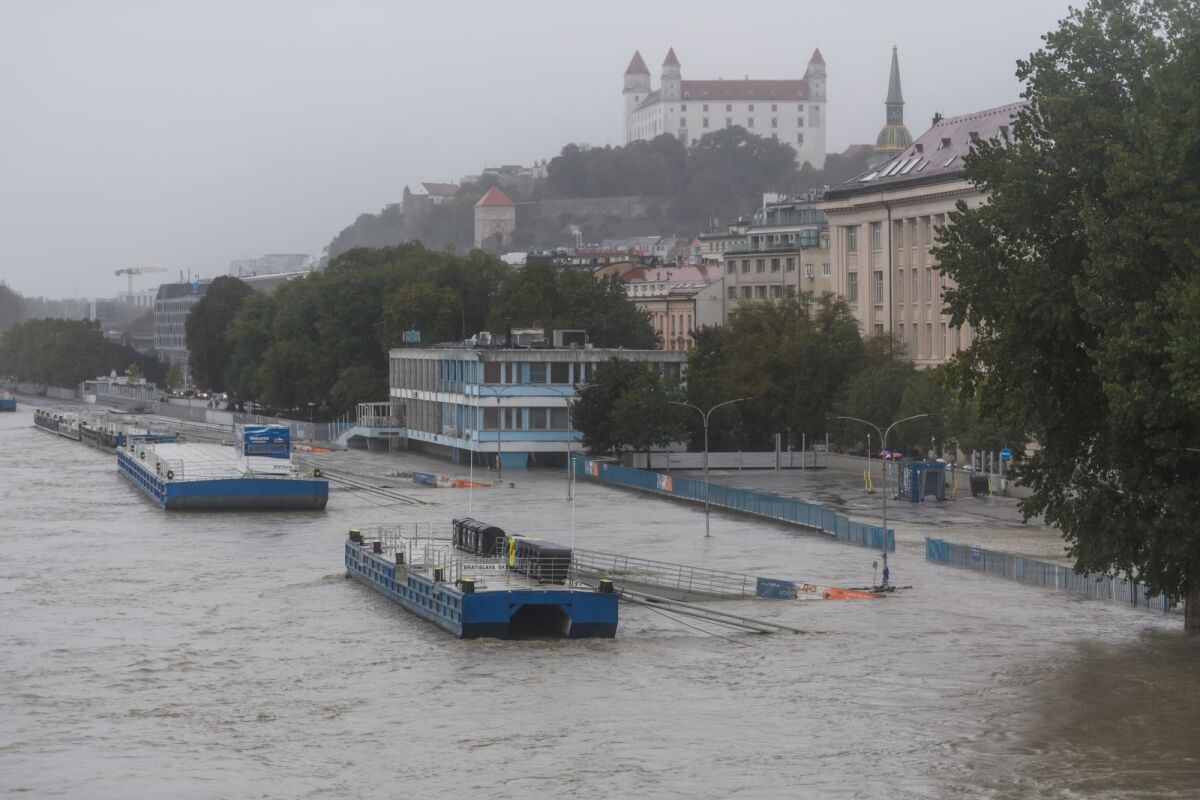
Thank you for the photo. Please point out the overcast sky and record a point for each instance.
(188, 134)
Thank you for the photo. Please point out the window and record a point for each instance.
(732, 292)
(776, 290)
(900, 286)
(852, 239)
(900, 332)
(745, 265)
(537, 372)
(729, 122)
(683, 108)
(774, 107)
(878, 327)
(852, 288)
(876, 235)
(944, 353)
(728, 107)
(825, 270)
(799, 122)
(704, 122)
(916, 288)
(750, 122)
(929, 339)
(878, 287)
(751, 107)
(774, 265)
(799, 138)
(808, 271)
(791, 290)
(760, 265)
(799, 108)
(774, 122)
(760, 291)
(814, 115)
(705, 108)
(928, 284)
(791, 265)
(747, 291)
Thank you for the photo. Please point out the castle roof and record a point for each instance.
(636, 65)
(816, 57)
(721, 90)
(440, 189)
(494, 197)
(936, 155)
(671, 60)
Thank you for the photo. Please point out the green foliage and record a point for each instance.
(572, 300)
(174, 380)
(64, 352)
(12, 308)
(205, 331)
(1081, 278)
(627, 408)
(647, 168)
(730, 166)
(794, 356)
(134, 372)
(434, 311)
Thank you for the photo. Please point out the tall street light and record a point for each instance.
(567, 395)
(704, 415)
(883, 445)
(496, 392)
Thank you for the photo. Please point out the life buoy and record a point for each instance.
(317, 472)
(170, 475)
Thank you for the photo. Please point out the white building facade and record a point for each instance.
(792, 111)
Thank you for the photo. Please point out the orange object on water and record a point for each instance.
(834, 593)
(459, 483)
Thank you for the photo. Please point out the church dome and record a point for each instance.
(892, 139)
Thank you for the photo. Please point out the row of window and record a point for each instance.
(760, 292)
(877, 286)
(816, 110)
(908, 232)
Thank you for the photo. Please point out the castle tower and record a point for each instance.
(813, 149)
(894, 137)
(495, 221)
(672, 79)
(637, 86)
(815, 75)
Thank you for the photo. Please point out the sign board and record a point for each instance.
(1006, 454)
(412, 337)
(269, 441)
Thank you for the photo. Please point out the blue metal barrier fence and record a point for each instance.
(772, 506)
(1042, 573)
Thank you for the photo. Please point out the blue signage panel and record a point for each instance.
(271, 441)
(1006, 454)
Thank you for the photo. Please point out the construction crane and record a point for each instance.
(131, 271)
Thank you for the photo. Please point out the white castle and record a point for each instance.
(791, 111)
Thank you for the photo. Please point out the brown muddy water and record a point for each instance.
(147, 654)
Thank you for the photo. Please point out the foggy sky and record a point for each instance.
(188, 134)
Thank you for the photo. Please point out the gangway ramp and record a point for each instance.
(674, 581)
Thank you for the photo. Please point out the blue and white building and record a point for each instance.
(499, 404)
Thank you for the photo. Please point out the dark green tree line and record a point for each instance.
(64, 352)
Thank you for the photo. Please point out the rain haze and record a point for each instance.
(185, 135)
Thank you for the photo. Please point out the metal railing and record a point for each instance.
(783, 509)
(1043, 573)
(589, 563)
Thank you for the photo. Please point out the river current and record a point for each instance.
(226, 655)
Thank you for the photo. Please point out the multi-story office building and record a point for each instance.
(500, 405)
(786, 252)
(171, 308)
(883, 227)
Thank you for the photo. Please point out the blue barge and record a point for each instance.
(258, 475)
(7, 401)
(511, 592)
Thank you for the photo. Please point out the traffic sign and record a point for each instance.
(1006, 454)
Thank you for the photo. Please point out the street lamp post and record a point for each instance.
(883, 445)
(704, 415)
(497, 392)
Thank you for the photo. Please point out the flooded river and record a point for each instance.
(147, 654)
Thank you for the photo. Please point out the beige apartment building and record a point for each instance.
(786, 252)
(883, 225)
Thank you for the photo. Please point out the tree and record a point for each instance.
(627, 408)
(174, 378)
(12, 308)
(1080, 278)
(63, 352)
(205, 330)
(432, 310)
(134, 372)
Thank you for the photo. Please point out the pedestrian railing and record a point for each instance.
(1043, 573)
(784, 509)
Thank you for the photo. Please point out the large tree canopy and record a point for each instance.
(63, 352)
(205, 331)
(1081, 276)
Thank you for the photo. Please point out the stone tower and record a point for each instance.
(672, 78)
(637, 86)
(894, 137)
(495, 220)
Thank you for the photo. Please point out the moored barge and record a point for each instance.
(257, 474)
(479, 581)
(7, 401)
(64, 423)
